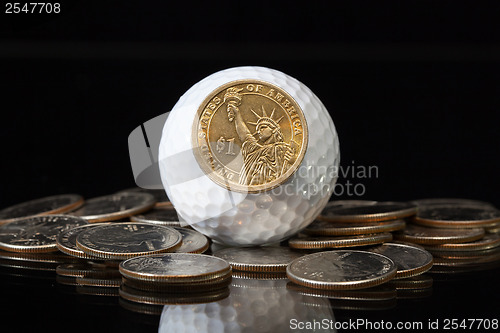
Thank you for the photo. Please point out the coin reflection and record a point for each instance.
(262, 305)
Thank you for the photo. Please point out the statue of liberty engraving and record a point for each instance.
(266, 156)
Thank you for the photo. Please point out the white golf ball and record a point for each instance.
(234, 217)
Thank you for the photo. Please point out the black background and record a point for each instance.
(412, 87)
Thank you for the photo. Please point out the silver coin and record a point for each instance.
(380, 211)
(342, 269)
(160, 195)
(451, 201)
(159, 215)
(56, 204)
(324, 228)
(125, 240)
(192, 241)
(457, 216)
(115, 206)
(175, 268)
(258, 259)
(66, 241)
(36, 234)
(409, 260)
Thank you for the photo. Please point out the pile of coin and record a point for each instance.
(461, 234)
(349, 224)
(131, 244)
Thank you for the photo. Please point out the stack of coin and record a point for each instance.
(453, 231)
(354, 223)
(174, 277)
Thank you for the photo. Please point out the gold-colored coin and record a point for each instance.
(249, 136)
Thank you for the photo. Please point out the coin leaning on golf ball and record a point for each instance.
(249, 156)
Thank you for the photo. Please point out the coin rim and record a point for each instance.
(424, 240)
(376, 217)
(470, 246)
(360, 229)
(209, 172)
(196, 250)
(368, 239)
(174, 278)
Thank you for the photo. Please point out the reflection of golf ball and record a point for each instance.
(253, 306)
(235, 217)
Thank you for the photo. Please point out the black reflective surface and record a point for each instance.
(36, 299)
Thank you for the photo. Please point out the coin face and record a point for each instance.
(56, 204)
(380, 211)
(324, 228)
(258, 259)
(457, 216)
(126, 240)
(175, 268)
(249, 136)
(424, 235)
(337, 242)
(341, 269)
(409, 260)
(36, 234)
(115, 206)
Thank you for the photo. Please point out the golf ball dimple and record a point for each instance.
(267, 169)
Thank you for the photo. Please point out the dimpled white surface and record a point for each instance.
(241, 219)
(252, 306)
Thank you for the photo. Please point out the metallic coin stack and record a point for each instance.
(156, 279)
(347, 255)
(460, 234)
(354, 223)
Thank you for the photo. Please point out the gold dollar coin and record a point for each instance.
(249, 136)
